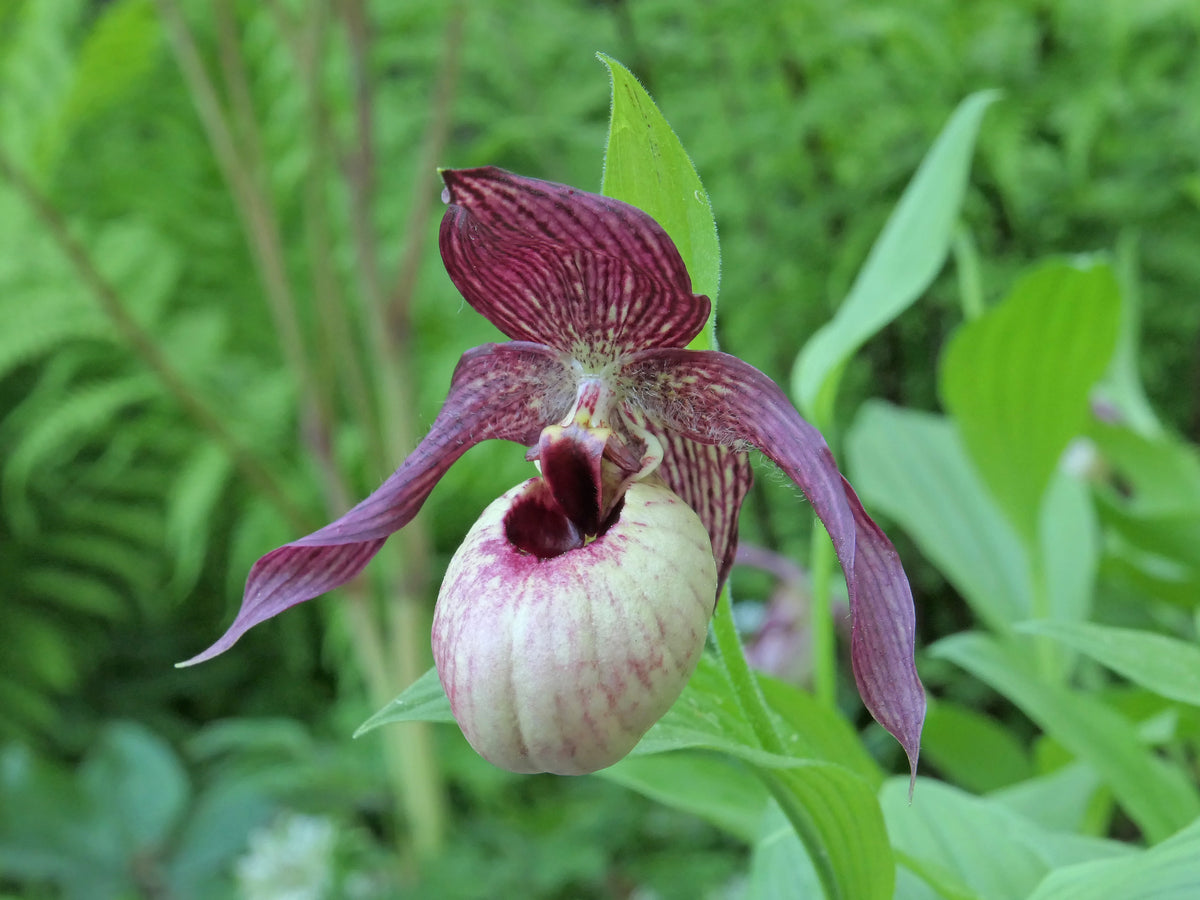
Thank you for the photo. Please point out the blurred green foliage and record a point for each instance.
(129, 518)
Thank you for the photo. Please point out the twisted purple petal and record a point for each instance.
(508, 391)
(579, 272)
(715, 398)
(712, 479)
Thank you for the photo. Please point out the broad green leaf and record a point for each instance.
(1016, 380)
(972, 749)
(423, 701)
(779, 864)
(837, 805)
(839, 813)
(976, 843)
(1170, 871)
(705, 717)
(912, 467)
(1165, 665)
(1152, 510)
(907, 255)
(645, 165)
(1061, 800)
(1156, 795)
(137, 785)
(708, 785)
(809, 728)
(1070, 547)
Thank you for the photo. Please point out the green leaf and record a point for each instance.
(137, 784)
(972, 749)
(1153, 507)
(808, 728)
(906, 256)
(1166, 872)
(1165, 665)
(422, 701)
(912, 467)
(1061, 800)
(779, 864)
(839, 813)
(1156, 795)
(1070, 547)
(975, 843)
(838, 804)
(645, 165)
(1016, 380)
(713, 787)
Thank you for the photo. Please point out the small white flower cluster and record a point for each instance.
(290, 859)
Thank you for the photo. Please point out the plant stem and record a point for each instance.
(822, 634)
(741, 677)
(754, 707)
(390, 345)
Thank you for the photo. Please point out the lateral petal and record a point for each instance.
(710, 478)
(579, 272)
(508, 391)
(716, 398)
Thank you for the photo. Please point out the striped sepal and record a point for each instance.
(583, 273)
(508, 391)
(713, 481)
(716, 398)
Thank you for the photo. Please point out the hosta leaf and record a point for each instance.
(972, 749)
(904, 260)
(1156, 795)
(138, 782)
(994, 852)
(732, 798)
(1166, 872)
(1016, 380)
(1165, 665)
(779, 864)
(839, 814)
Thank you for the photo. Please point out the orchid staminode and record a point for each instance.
(574, 612)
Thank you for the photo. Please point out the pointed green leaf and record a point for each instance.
(1167, 872)
(423, 701)
(1157, 796)
(991, 850)
(839, 813)
(1162, 664)
(972, 749)
(645, 165)
(904, 260)
(779, 864)
(1070, 547)
(1017, 380)
(732, 798)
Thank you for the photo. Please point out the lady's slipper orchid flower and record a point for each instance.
(576, 608)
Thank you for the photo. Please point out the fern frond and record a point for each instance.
(55, 435)
(194, 496)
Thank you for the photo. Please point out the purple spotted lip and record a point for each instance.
(597, 384)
